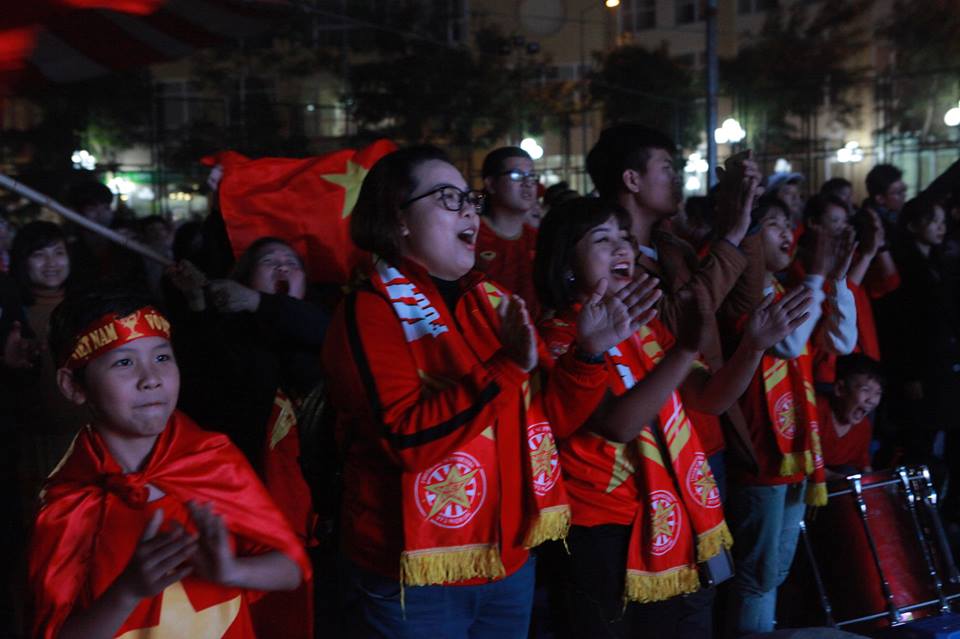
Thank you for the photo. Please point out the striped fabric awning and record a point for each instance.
(55, 41)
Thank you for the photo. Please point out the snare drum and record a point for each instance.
(873, 556)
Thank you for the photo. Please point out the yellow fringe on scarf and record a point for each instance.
(711, 542)
(646, 587)
(552, 523)
(816, 494)
(444, 565)
(793, 463)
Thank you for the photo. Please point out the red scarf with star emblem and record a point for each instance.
(451, 511)
(791, 404)
(662, 557)
(92, 516)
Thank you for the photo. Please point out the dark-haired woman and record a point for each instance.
(40, 264)
(451, 474)
(646, 508)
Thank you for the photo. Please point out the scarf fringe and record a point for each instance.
(816, 494)
(710, 543)
(646, 587)
(793, 463)
(550, 524)
(448, 565)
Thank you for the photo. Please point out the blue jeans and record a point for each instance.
(766, 526)
(485, 611)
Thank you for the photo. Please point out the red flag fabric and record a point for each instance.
(306, 202)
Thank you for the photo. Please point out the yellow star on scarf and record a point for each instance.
(706, 483)
(286, 420)
(623, 467)
(452, 489)
(350, 181)
(661, 520)
(541, 459)
(179, 619)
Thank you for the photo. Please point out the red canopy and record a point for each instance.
(43, 41)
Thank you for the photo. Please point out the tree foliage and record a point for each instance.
(795, 66)
(636, 84)
(925, 35)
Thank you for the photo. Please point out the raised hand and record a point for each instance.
(605, 321)
(190, 280)
(160, 559)
(771, 322)
(517, 335)
(737, 194)
(214, 560)
(822, 258)
(234, 297)
(844, 246)
(692, 324)
(874, 234)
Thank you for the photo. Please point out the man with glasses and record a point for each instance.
(506, 243)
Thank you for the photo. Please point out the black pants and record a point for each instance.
(598, 559)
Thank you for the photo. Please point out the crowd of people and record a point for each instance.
(531, 413)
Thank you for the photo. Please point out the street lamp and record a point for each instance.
(851, 152)
(952, 116)
(532, 147)
(610, 4)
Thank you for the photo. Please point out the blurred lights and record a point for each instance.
(729, 132)
(121, 186)
(696, 164)
(692, 183)
(532, 147)
(180, 196)
(851, 152)
(83, 159)
(611, 4)
(782, 166)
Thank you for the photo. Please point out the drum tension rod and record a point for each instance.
(906, 483)
(855, 482)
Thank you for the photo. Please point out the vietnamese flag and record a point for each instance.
(306, 202)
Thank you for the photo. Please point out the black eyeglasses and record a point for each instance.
(516, 175)
(453, 198)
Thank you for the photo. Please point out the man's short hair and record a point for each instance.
(89, 193)
(493, 163)
(622, 147)
(833, 186)
(84, 305)
(881, 177)
(859, 364)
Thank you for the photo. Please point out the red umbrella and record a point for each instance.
(45, 41)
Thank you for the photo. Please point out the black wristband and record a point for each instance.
(589, 358)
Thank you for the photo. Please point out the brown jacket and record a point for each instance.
(731, 279)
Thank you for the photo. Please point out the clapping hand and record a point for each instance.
(737, 194)
(605, 321)
(215, 559)
(773, 321)
(517, 335)
(160, 559)
(844, 246)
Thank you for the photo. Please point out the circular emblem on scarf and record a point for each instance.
(666, 521)
(701, 484)
(544, 460)
(786, 420)
(452, 492)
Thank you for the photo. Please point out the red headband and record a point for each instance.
(112, 331)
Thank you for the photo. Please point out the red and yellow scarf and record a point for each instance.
(791, 404)
(451, 511)
(661, 559)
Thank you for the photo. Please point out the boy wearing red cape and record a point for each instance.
(149, 526)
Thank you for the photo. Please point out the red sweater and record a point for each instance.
(413, 423)
(853, 449)
(509, 262)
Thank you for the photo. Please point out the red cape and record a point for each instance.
(79, 545)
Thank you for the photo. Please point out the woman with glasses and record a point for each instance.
(507, 242)
(446, 414)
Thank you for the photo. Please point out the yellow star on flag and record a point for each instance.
(706, 483)
(178, 618)
(661, 520)
(350, 181)
(541, 459)
(452, 489)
